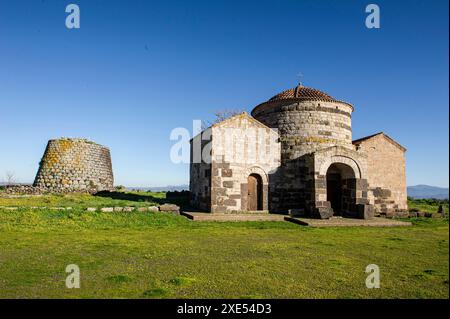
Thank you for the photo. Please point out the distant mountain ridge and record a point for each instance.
(169, 188)
(427, 191)
(417, 191)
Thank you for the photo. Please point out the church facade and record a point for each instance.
(295, 154)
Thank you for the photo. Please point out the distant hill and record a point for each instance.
(426, 191)
(170, 188)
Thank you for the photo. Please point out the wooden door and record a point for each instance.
(252, 199)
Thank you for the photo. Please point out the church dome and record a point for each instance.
(299, 94)
(302, 92)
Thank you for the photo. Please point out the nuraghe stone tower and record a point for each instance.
(73, 164)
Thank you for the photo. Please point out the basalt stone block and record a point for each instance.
(169, 208)
(420, 214)
(220, 191)
(365, 211)
(322, 213)
(320, 183)
(382, 193)
(361, 184)
(326, 204)
(299, 212)
(228, 184)
(227, 172)
(229, 202)
(220, 209)
(363, 201)
(222, 165)
(376, 192)
(385, 193)
(390, 214)
(402, 214)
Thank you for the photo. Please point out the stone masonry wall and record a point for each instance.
(304, 127)
(241, 147)
(307, 126)
(72, 164)
(385, 173)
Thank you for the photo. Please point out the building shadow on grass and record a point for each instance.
(181, 199)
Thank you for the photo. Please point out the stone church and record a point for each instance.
(295, 154)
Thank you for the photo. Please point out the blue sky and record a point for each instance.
(137, 69)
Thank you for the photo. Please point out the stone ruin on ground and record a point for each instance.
(71, 165)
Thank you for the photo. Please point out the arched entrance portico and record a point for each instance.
(338, 183)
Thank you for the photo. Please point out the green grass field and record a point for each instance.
(157, 255)
(137, 199)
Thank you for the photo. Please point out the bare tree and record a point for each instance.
(10, 178)
(221, 115)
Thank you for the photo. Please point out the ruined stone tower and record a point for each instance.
(72, 164)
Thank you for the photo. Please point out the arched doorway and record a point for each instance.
(338, 175)
(255, 192)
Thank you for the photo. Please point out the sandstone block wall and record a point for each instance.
(240, 147)
(71, 164)
(386, 173)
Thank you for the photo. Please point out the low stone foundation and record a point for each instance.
(347, 222)
(36, 190)
(226, 217)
